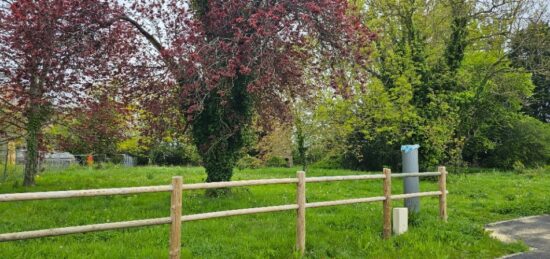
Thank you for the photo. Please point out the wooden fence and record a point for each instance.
(176, 217)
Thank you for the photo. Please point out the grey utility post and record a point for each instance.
(409, 154)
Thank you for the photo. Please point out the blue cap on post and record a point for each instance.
(409, 148)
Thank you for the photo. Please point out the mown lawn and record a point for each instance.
(352, 231)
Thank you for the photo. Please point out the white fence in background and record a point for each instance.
(61, 160)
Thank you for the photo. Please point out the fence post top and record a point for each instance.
(387, 170)
(300, 173)
(177, 177)
(442, 169)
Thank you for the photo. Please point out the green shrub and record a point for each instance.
(523, 143)
(276, 161)
(115, 159)
(174, 153)
(141, 159)
(134, 147)
(518, 166)
(249, 162)
(370, 154)
(330, 161)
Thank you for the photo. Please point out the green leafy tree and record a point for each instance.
(490, 104)
(453, 55)
(531, 51)
(419, 53)
(521, 141)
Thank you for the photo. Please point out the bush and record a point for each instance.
(276, 161)
(523, 143)
(518, 166)
(249, 162)
(141, 159)
(370, 154)
(115, 159)
(330, 161)
(174, 153)
(134, 147)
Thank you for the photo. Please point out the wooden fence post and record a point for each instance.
(301, 212)
(175, 215)
(443, 190)
(387, 203)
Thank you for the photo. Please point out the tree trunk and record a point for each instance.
(219, 132)
(219, 168)
(302, 149)
(33, 130)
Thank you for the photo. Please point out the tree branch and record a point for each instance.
(145, 33)
(170, 62)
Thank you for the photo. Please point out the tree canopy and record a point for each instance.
(226, 60)
(335, 83)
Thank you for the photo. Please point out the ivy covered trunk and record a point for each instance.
(302, 149)
(34, 124)
(219, 130)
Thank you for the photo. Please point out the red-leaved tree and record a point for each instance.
(222, 60)
(97, 126)
(50, 52)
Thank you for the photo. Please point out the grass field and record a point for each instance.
(352, 231)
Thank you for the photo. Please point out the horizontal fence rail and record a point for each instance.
(82, 193)
(177, 186)
(83, 229)
(402, 175)
(196, 186)
(414, 195)
(343, 202)
(344, 178)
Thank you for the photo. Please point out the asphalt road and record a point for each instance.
(534, 231)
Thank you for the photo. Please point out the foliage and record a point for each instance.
(332, 160)
(368, 128)
(174, 153)
(51, 51)
(150, 128)
(301, 145)
(226, 59)
(314, 134)
(453, 76)
(476, 199)
(531, 50)
(133, 146)
(249, 162)
(275, 141)
(442, 77)
(417, 67)
(97, 128)
(218, 145)
(519, 143)
(490, 105)
(276, 161)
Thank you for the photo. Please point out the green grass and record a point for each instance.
(352, 231)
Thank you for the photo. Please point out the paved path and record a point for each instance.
(534, 231)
